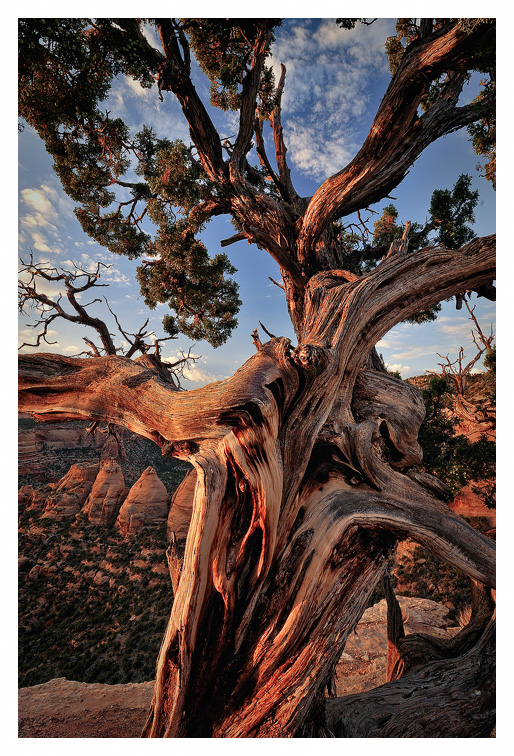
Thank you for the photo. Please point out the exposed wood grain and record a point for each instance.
(304, 483)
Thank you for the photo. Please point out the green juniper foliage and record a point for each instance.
(454, 459)
(68, 66)
(150, 198)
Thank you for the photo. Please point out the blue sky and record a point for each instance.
(335, 81)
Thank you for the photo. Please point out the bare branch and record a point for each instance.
(271, 335)
(263, 157)
(183, 363)
(250, 88)
(487, 341)
(51, 309)
(256, 339)
(458, 372)
(75, 285)
(232, 240)
(401, 246)
(276, 283)
(280, 147)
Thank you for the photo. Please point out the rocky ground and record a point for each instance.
(61, 708)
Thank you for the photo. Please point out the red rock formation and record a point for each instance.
(180, 510)
(107, 494)
(37, 444)
(145, 505)
(469, 504)
(25, 495)
(30, 498)
(70, 493)
(113, 448)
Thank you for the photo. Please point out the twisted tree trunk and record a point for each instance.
(306, 477)
(449, 698)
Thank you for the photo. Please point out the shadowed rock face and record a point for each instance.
(146, 504)
(107, 494)
(71, 491)
(181, 507)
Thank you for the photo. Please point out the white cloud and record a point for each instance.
(72, 350)
(136, 88)
(41, 226)
(195, 372)
(412, 352)
(399, 368)
(151, 37)
(327, 89)
(130, 101)
(38, 199)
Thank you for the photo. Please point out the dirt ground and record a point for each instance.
(62, 708)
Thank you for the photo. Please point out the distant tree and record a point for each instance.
(455, 459)
(306, 460)
(457, 372)
(32, 299)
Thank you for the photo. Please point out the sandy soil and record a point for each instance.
(62, 708)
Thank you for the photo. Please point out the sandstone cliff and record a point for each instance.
(146, 504)
(35, 445)
(107, 494)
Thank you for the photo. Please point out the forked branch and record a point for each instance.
(398, 135)
(454, 369)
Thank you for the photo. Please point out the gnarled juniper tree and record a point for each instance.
(306, 458)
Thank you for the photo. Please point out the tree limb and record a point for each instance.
(263, 157)
(280, 148)
(451, 698)
(397, 135)
(249, 91)
(174, 76)
(29, 296)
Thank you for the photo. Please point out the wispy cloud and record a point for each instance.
(195, 372)
(43, 220)
(327, 89)
(412, 352)
(130, 101)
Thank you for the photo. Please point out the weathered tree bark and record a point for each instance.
(306, 477)
(452, 698)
